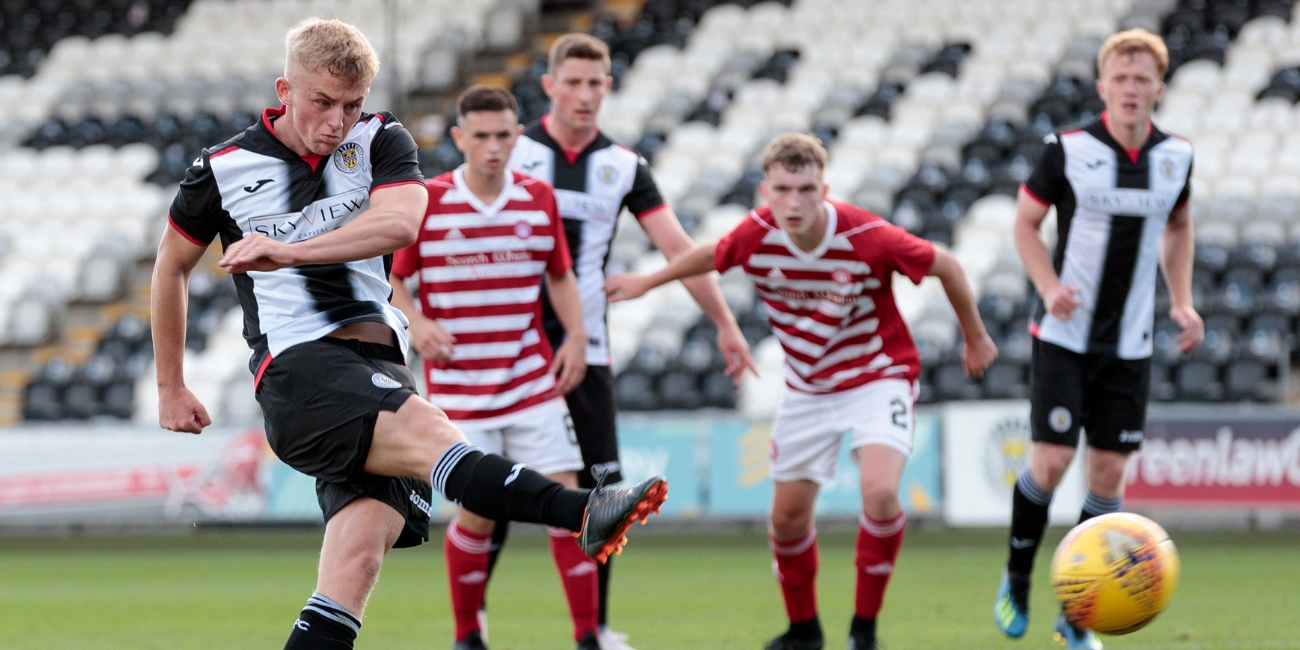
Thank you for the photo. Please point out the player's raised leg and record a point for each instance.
(880, 536)
(793, 538)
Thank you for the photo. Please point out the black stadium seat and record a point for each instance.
(1248, 380)
(1006, 381)
(1199, 381)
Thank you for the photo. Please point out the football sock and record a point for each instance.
(467, 561)
(578, 575)
(863, 629)
(499, 534)
(323, 625)
(496, 488)
(602, 583)
(796, 570)
(1094, 505)
(878, 545)
(1028, 521)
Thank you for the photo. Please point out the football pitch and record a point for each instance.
(672, 590)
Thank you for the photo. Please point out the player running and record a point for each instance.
(490, 238)
(594, 180)
(825, 270)
(1120, 187)
(308, 202)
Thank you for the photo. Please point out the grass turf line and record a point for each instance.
(671, 591)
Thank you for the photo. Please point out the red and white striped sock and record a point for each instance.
(467, 562)
(578, 575)
(878, 545)
(796, 569)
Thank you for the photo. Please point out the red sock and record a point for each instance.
(796, 570)
(578, 575)
(878, 544)
(467, 563)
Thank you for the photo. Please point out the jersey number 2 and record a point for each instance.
(898, 412)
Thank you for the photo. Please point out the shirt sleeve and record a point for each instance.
(406, 261)
(910, 255)
(736, 246)
(561, 259)
(1187, 189)
(1047, 182)
(644, 197)
(393, 155)
(196, 211)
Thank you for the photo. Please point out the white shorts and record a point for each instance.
(807, 430)
(540, 437)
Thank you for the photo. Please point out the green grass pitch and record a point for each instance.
(239, 589)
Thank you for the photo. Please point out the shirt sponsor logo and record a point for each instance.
(1127, 201)
(317, 218)
(384, 381)
(348, 157)
(586, 207)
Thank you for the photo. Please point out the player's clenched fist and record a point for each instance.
(1062, 300)
(978, 353)
(626, 286)
(179, 409)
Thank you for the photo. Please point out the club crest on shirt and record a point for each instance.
(523, 230)
(348, 158)
(607, 174)
(1167, 168)
(841, 276)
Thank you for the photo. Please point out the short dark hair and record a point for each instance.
(484, 98)
(577, 46)
(794, 151)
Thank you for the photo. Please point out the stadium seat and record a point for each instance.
(1199, 381)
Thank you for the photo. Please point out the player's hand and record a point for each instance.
(625, 286)
(570, 364)
(431, 341)
(256, 252)
(1193, 329)
(977, 353)
(735, 349)
(179, 409)
(1061, 301)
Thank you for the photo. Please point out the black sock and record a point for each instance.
(323, 625)
(863, 629)
(602, 591)
(499, 534)
(493, 487)
(1094, 506)
(809, 629)
(1029, 504)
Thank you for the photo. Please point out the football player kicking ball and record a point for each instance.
(825, 270)
(490, 239)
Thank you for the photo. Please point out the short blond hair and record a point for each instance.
(317, 44)
(795, 151)
(1134, 41)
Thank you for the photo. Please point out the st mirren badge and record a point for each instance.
(348, 158)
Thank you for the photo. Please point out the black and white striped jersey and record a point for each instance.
(253, 183)
(591, 188)
(1111, 209)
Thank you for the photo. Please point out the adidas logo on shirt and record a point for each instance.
(776, 274)
(454, 233)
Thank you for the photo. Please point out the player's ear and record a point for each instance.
(282, 90)
(762, 190)
(609, 82)
(548, 84)
(457, 137)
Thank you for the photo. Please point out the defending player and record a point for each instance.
(1120, 187)
(307, 203)
(825, 271)
(490, 238)
(594, 179)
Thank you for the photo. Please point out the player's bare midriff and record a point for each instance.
(368, 331)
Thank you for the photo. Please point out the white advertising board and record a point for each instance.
(985, 445)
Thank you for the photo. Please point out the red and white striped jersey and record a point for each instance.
(833, 309)
(480, 272)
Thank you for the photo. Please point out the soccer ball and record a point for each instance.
(1114, 573)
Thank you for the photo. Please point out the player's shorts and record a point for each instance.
(1107, 396)
(541, 437)
(807, 430)
(320, 400)
(593, 408)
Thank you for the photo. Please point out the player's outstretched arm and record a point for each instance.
(1177, 250)
(391, 222)
(627, 286)
(430, 340)
(667, 234)
(570, 364)
(1060, 300)
(178, 408)
(978, 350)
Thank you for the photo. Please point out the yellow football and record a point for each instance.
(1115, 573)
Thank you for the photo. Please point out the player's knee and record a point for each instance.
(1049, 464)
(880, 500)
(790, 523)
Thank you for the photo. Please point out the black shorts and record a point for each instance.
(1107, 396)
(593, 409)
(320, 400)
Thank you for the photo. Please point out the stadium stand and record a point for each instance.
(933, 111)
